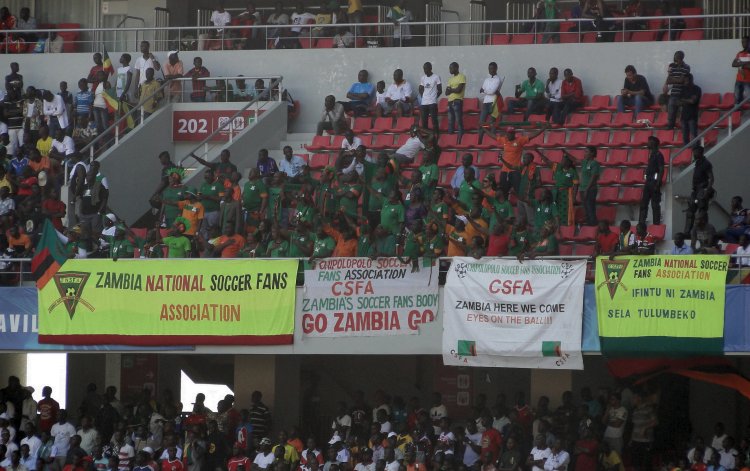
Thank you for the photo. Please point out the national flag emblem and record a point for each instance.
(50, 255)
(70, 286)
(551, 348)
(467, 348)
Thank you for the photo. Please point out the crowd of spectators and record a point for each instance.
(607, 430)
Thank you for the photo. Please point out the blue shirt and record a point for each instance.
(18, 165)
(684, 250)
(268, 167)
(359, 87)
(458, 177)
(83, 102)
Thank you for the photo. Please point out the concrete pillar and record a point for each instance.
(550, 383)
(12, 364)
(112, 365)
(83, 368)
(255, 372)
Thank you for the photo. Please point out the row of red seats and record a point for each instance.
(548, 140)
(591, 37)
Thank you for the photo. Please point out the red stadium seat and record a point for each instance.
(691, 35)
(448, 159)
(657, 230)
(468, 141)
(487, 159)
(736, 120)
(382, 124)
(643, 36)
(443, 106)
(609, 176)
(319, 143)
(448, 141)
(578, 120)
(637, 157)
(402, 124)
(318, 161)
(617, 157)
(554, 139)
(608, 194)
(631, 195)
(584, 249)
(667, 137)
(601, 120)
(598, 103)
(621, 139)
(683, 159)
(471, 106)
(640, 138)
(545, 175)
(710, 101)
(361, 125)
(578, 138)
(586, 234)
(324, 43)
(382, 142)
(599, 138)
(336, 143)
(623, 120)
(498, 39)
(606, 213)
(727, 101)
(567, 233)
(471, 122)
(632, 176)
(522, 39)
(566, 249)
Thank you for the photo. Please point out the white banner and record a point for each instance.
(506, 313)
(346, 297)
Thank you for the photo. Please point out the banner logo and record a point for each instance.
(462, 269)
(70, 286)
(467, 348)
(613, 272)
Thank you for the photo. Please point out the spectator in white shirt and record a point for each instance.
(62, 146)
(553, 93)
(728, 455)
(680, 247)
(55, 112)
(144, 62)
(333, 118)
(490, 92)
(348, 148)
(357, 163)
(408, 151)
(31, 440)
(558, 459)
(743, 249)
(220, 18)
(430, 88)
(292, 164)
(397, 97)
(437, 412)
(467, 161)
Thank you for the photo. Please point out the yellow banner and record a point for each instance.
(169, 302)
(664, 303)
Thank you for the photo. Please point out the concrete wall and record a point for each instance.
(310, 75)
(83, 368)
(727, 157)
(133, 167)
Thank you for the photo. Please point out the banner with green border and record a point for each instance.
(661, 304)
(169, 302)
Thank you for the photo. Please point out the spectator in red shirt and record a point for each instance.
(606, 240)
(171, 463)
(237, 462)
(498, 241)
(94, 71)
(199, 86)
(54, 209)
(571, 95)
(47, 408)
(492, 441)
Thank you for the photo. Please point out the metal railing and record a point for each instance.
(228, 125)
(699, 138)
(188, 38)
(15, 271)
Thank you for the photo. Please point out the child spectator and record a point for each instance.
(83, 101)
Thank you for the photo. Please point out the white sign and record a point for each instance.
(346, 297)
(506, 313)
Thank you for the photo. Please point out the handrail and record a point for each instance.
(275, 80)
(697, 138)
(617, 19)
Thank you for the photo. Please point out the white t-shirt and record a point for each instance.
(392, 466)
(717, 443)
(386, 427)
(380, 97)
(490, 86)
(141, 65)
(538, 454)
(67, 147)
(62, 434)
(299, 19)
(410, 149)
(471, 456)
(343, 421)
(430, 84)
(34, 442)
(99, 96)
(356, 142)
(399, 92)
(728, 458)
(220, 18)
(165, 453)
(557, 461)
(742, 261)
(122, 79)
(263, 461)
(553, 90)
(436, 412)
(620, 413)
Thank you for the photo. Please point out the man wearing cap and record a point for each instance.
(264, 458)
(512, 149)
(173, 69)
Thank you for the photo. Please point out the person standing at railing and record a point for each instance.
(455, 91)
(491, 98)
(354, 11)
(173, 69)
(742, 254)
(150, 96)
(55, 112)
(278, 17)
(703, 187)
(652, 179)
(99, 107)
(742, 63)
(399, 14)
(676, 73)
(199, 86)
(144, 62)
(124, 79)
(690, 99)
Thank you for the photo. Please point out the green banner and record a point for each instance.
(169, 302)
(668, 305)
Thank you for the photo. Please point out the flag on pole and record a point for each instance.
(50, 255)
(107, 63)
(497, 106)
(119, 108)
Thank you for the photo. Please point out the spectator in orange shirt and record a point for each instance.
(227, 245)
(346, 241)
(19, 242)
(511, 155)
(39, 162)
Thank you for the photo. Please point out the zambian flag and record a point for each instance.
(49, 256)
